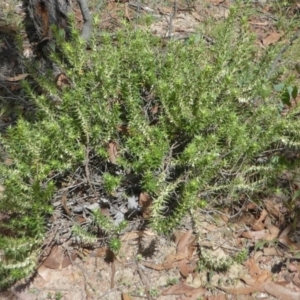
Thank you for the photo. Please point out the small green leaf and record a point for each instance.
(279, 87)
(295, 92)
(296, 195)
(61, 33)
(286, 98)
(290, 90)
(260, 245)
(266, 90)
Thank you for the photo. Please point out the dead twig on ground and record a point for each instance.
(138, 7)
(145, 281)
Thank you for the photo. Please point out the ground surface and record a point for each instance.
(243, 256)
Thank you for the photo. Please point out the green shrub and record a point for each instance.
(196, 118)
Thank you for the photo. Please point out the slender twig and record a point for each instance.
(138, 7)
(87, 25)
(172, 16)
(108, 292)
(87, 170)
(54, 232)
(145, 281)
(16, 97)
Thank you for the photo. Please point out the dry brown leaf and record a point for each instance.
(253, 269)
(216, 2)
(183, 289)
(100, 252)
(296, 279)
(145, 202)
(165, 10)
(280, 292)
(126, 13)
(158, 267)
(286, 231)
(43, 272)
(293, 267)
(62, 81)
(126, 297)
(16, 78)
(243, 291)
(183, 244)
(257, 280)
(272, 38)
(155, 109)
(183, 267)
(285, 239)
(196, 294)
(197, 16)
(172, 258)
(176, 289)
(168, 262)
(132, 235)
(272, 251)
(59, 258)
(268, 235)
(80, 219)
(251, 206)
(144, 199)
(123, 129)
(255, 235)
(273, 230)
(255, 272)
(64, 204)
(185, 249)
(245, 220)
(258, 255)
(263, 276)
(258, 225)
(273, 207)
(249, 280)
(112, 150)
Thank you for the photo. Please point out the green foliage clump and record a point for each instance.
(208, 261)
(188, 119)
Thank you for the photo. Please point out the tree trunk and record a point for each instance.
(45, 13)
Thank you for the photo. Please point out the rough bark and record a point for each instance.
(45, 13)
